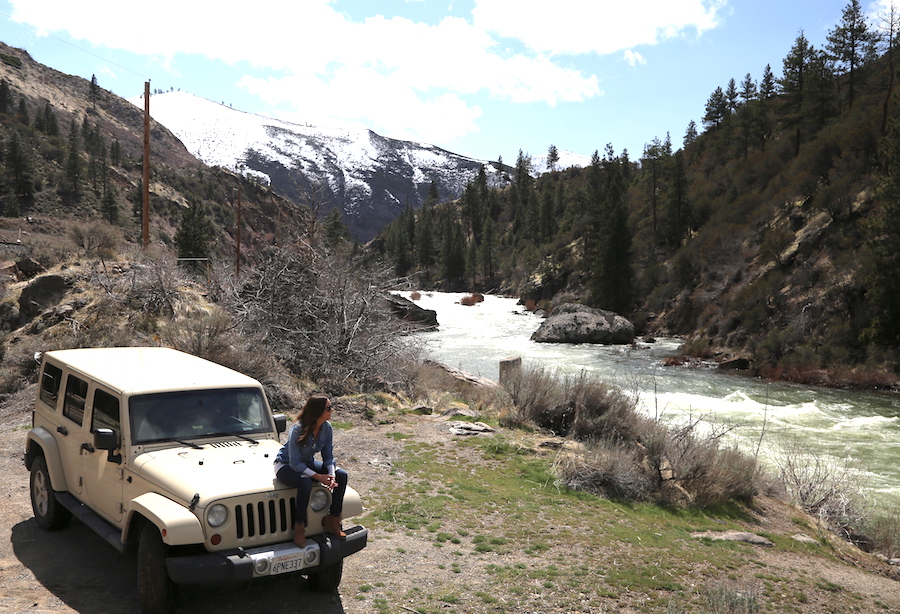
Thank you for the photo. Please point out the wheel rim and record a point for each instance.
(40, 493)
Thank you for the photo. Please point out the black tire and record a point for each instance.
(327, 580)
(48, 511)
(156, 589)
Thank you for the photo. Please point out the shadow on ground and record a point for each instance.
(91, 577)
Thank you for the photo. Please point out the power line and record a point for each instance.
(82, 49)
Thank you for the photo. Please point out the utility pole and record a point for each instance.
(145, 188)
(238, 263)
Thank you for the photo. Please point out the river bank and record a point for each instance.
(861, 427)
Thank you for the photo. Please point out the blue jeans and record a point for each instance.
(304, 483)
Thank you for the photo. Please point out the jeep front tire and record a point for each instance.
(48, 511)
(156, 589)
(327, 580)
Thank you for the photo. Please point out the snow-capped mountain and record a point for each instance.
(370, 177)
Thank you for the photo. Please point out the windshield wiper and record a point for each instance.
(228, 434)
(188, 443)
(181, 441)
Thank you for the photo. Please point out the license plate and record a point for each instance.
(285, 563)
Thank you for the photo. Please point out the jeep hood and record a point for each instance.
(221, 469)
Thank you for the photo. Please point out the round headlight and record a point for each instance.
(318, 500)
(217, 515)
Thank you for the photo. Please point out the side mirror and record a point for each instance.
(106, 439)
(280, 423)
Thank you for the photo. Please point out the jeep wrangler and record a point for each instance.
(169, 454)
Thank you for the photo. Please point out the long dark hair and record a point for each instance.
(310, 413)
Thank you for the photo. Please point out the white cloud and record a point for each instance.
(633, 58)
(408, 79)
(599, 26)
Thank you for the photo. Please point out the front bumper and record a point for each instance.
(321, 551)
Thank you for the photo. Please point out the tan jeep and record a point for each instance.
(171, 454)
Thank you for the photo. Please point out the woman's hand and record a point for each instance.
(327, 481)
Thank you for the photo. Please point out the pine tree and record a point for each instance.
(716, 109)
(552, 158)
(678, 209)
(767, 84)
(851, 44)
(109, 207)
(612, 277)
(453, 252)
(18, 164)
(653, 162)
(334, 227)
(115, 153)
(95, 89)
(73, 168)
(425, 238)
(690, 134)
(194, 235)
(883, 283)
(5, 97)
(731, 97)
(793, 85)
(22, 112)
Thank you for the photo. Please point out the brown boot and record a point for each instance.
(332, 524)
(300, 535)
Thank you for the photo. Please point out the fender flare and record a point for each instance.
(175, 522)
(42, 438)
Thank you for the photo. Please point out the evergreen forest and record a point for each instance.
(771, 231)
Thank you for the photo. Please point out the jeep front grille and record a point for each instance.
(261, 519)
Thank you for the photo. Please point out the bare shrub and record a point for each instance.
(97, 239)
(471, 299)
(625, 454)
(700, 468)
(832, 489)
(607, 469)
(882, 529)
(325, 316)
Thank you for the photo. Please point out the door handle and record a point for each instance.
(62, 430)
(87, 446)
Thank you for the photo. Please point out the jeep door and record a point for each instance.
(73, 431)
(102, 469)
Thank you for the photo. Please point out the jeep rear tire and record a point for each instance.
(48, 511)
(156, 589)
(327, 580)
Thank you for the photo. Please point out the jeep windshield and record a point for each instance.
(173, 416)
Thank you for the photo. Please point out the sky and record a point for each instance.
(482, 78)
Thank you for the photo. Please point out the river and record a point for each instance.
(840, 424)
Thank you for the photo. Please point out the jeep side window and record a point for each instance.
(73, 403)
(106, 412)
(50, 384)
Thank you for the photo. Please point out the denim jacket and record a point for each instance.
(300, 456)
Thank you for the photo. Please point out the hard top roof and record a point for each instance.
(150, 369)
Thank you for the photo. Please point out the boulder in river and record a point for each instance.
(574, 323)
(409, 311)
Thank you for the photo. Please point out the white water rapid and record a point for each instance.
(862, 426)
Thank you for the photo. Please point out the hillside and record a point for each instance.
(767, 236)
(78, 161)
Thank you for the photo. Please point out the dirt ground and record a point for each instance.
(73, 570)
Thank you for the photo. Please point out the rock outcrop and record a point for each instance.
(407, 310)
(573, 323)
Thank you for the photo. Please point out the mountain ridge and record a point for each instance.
(370, 177)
